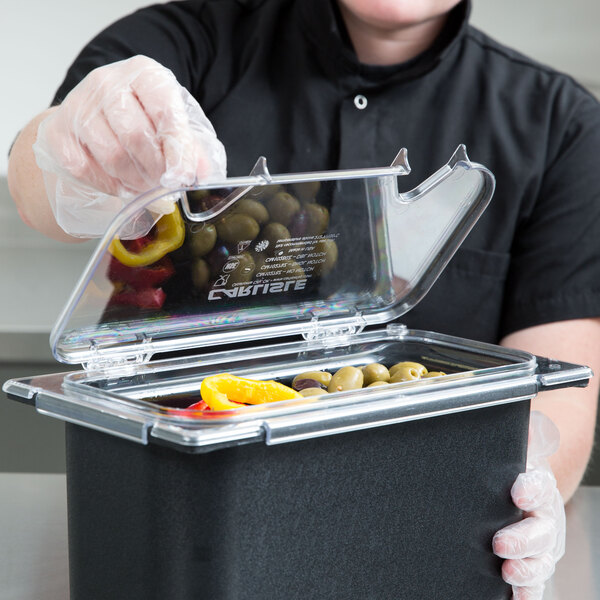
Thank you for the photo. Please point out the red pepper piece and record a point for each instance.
(138, 244)
(143, 298)
(192, 410)
(141, 277)
(199, 406)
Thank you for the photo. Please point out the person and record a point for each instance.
(320, 85)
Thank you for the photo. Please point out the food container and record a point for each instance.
(384, 492)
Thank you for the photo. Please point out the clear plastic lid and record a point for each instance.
(312, 254)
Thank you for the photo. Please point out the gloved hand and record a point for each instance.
(126, 128)
(533, 546)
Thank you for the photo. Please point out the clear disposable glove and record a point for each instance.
(126, 128)
(533, 545)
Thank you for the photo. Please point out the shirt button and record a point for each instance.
(360, 102)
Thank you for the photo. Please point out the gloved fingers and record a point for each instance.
(137, 136)
(528, 593)
(75, 153)
(529, 572)
(111, 164)
(212, 161)
(544, 437)
(530, 537)
(82, 167)
(534, 489)
(163, 103)
(125, 129)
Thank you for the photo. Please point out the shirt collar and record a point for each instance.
(332, 48)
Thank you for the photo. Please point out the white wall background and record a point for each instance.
(39, 39)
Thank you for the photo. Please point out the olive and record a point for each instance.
(197, 195)
(253, 209)
(328, 248)
(282, 207)
(259, 261)
(419, 369)
(318, 219)
(300, 384)
(237, 227)
(322, 377)
(306, 190)
(196, 199)
(240, 268)
(285, 269)
(262, 192)
(271, 234)
(222, 192)
(217, 257)
(203, 200)
(433, 374)
(346, 378)
(200, 273)
(378, 383)
(292, 270)
(407, 371)
(299, 225)
(313, 391)
(375, 372)
(202, 240)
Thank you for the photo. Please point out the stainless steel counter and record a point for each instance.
(33, 542)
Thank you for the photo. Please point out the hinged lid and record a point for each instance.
(317, 254)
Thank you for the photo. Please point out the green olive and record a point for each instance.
(323, 377)
(317, 219)
(259, 261)
(292, 270)
(314, 391)
(375, 372)
(328, 248)
(407, 371)
(306, 191)
(253, 209)
(272, 233)
(237, 227)
(378, 383)
(262, 192)
(202, 240)
(285, 270)
(433, 374)
(197, 195)
(420, 369)
(282, 207)
(200, 273)
(240, 268)
(346, 378)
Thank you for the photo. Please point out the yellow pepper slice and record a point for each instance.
(170, 233)
(226, 391)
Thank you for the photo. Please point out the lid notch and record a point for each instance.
(401, 160)
(460, 155)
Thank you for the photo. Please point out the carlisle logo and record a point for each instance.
(257, 288)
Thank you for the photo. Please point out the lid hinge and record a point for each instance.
(334, 334)
(104, 361)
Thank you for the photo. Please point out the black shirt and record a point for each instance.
(279, 78)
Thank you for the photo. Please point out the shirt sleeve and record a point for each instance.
(554, 273)
(172, 34)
